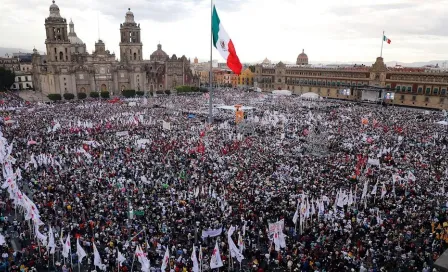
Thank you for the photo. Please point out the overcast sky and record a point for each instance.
(339, 31)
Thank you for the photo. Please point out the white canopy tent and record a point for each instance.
(310, 95)
(282, 92)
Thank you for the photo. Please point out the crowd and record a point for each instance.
(298, 185)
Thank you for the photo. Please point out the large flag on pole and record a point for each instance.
(51, 243)
(97, 258)
(224, 44)
(166, 259)
(80, 251)
(194, 260)
(66, 247)
(215, 260)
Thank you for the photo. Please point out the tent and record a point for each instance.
(310, 95)
(282, 92)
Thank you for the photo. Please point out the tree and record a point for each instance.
(54, 96)
(7, 78)
(69, 96)
(128, 93)
(82, 95)
(105, 94)
(252, 68)
(94, 94)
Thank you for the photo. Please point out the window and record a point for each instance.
(402, 97)
(420, 90)
(435, 91)
(403, 88)
(426, 99)
(443, 92)
(414, 98)
(442, 100)
(61, 56)
(428, 91)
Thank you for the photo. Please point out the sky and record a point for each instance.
(328, 30)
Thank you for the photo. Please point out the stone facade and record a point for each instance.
(67, 67)
(417, 87)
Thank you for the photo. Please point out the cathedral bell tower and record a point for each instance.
(131, 47)
(57, 42)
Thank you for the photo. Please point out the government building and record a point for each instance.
(67, 67)
(419, 87)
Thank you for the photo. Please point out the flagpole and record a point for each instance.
(210, 106)
(382, 42)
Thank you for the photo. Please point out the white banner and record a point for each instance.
(122, 133)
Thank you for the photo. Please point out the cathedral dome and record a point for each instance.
(54, 10)
(72, 37)
(75, 40)
(159, 54)
(302, 59)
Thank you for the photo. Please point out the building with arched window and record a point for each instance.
(67, 67)
(418, 87)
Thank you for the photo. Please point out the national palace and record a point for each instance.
(418, 87)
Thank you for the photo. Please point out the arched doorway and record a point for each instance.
(83, 90)
(122, 87)
(104, 88)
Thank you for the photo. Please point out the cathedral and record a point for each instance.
(67, 67)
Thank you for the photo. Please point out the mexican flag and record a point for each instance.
(224, 44)
(386, 39)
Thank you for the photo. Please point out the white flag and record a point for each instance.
(97, 258)
(80, 251)
(51, 243)
(120, 258)
(194, 260)
(240, 242)
(374, 189)
(383, 191)
(296, 214)
(141, 256)
(215, 260)
(166, 259)
(66, 247)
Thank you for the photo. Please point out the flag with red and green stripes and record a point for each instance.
(224, 44)
(386, 39)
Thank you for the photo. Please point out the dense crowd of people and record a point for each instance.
(307, 185)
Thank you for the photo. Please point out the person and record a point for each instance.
(149, 176)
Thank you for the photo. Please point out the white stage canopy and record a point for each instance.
(281, 92)
(310, 95)
(233, 108)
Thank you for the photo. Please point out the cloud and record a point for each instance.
(152, 10)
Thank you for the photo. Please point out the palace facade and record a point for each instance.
(67, 67)
(417, 87)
